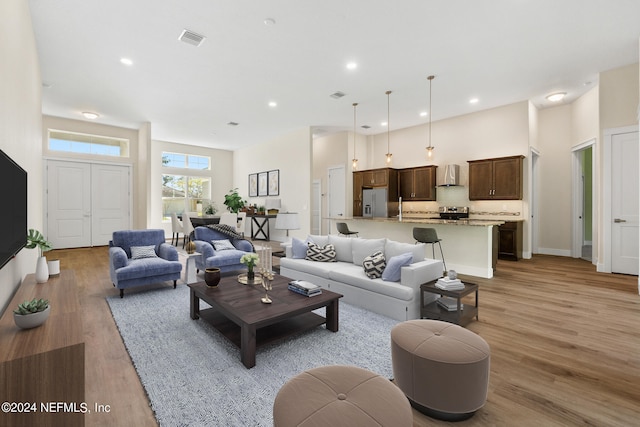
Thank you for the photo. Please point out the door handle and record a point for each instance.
(619, 220)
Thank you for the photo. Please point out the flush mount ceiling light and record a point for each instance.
(354, 162)
(430, 147)
(388, 127)
(126, 61)
(89, 115)
(556, 97)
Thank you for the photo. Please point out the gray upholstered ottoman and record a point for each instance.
(442, 368)
(340, 396)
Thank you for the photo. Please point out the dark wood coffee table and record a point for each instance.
(239, 315)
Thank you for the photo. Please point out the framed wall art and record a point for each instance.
(274, 182)
(262, 184)
(253, 185)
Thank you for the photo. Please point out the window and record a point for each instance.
(81, 143)
(185, 161)
(184, 194)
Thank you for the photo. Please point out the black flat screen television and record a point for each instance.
(13, 212)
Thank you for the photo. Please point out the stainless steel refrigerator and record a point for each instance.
(374, 202)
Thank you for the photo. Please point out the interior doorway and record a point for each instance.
(583, 184)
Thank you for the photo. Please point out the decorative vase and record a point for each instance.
(42, 270)
(28, 321)
(212, 277)
(54, 267)
(250, 274)
(191, 247)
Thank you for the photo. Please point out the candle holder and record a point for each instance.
(267, 277)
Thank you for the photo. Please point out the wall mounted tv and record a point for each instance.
(13, 214)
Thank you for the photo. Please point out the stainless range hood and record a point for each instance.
(451, 176)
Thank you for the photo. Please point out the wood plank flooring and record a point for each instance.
(565, 345)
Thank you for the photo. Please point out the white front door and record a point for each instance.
(110, 210)
(68, 204)
(624, 203)
(86, 203)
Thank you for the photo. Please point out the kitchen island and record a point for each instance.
(470, 246)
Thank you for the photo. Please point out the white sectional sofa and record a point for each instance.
(399, 300)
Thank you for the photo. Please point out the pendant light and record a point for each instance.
(355, 160)
(388, 127)
(430, 147)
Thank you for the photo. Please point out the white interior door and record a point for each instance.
(110, 210)
(336, 186)
(624, 203)
(68, 194)
(316, 207)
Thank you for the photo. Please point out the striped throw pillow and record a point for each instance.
(321, 253)
(374, 265)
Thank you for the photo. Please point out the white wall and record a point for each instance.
(20, 125)
(291, 154)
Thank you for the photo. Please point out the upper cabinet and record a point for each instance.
(496, 179)
(376, 177)
(418, 184)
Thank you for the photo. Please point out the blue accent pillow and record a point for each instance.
(391, 272)
(299, 248)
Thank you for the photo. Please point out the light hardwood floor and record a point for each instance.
(565, 346)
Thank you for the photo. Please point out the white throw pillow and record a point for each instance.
(393, 248)
(139, 252)
(343, 247)
(362, 248)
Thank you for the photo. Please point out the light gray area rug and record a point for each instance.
(193, 375)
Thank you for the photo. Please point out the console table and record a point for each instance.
(46, 363)
(261, 223)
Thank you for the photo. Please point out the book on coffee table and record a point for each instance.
(305, 288)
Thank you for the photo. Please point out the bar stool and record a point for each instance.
(343, 229)
(429, 235)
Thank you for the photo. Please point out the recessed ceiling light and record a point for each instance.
(556, 97)
(126, 61)
(89, 115)
(383, 124)
(352, 66)
(473, 101)
(423, 114)
(273, 104)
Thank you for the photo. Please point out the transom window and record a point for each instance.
(80, 143)
(185, 161)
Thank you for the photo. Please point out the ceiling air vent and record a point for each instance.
(365, 127)
(191, 38)
(337, 95)
(233, 123)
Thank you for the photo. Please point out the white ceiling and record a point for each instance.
(500, 51)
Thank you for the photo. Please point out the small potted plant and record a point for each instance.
(210, 209)
(36, 239)
(32, 313)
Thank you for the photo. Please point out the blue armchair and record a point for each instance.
(140, 257)
(226, 260)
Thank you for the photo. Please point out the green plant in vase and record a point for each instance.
(233, 201)
(35, 239)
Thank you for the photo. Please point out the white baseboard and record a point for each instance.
(553, 251)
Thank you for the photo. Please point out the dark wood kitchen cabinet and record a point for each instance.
(376, 178)
(418, 184)
(510, 241)
(496, 179)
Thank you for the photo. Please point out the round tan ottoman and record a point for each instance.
(442, 368)
(340, 396)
